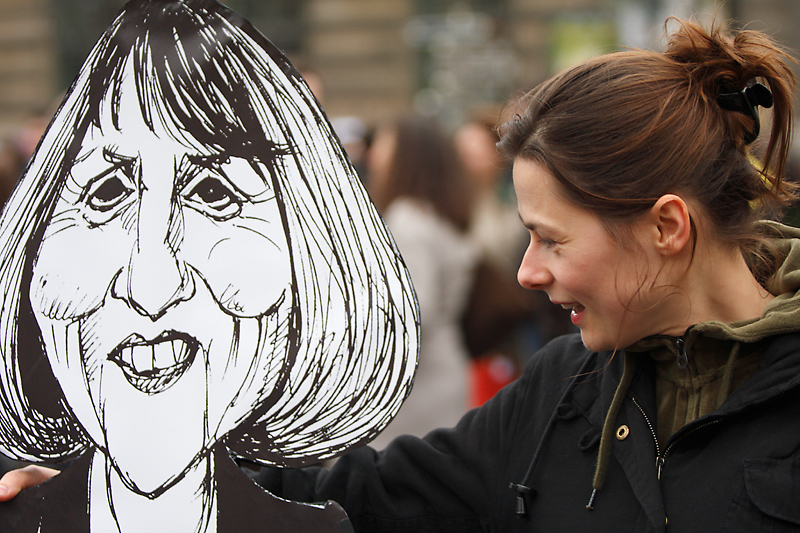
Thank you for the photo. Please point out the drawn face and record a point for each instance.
(152, 287)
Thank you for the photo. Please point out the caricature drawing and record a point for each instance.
(190, 271)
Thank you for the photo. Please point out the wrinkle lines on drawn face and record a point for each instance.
(153, 270)
(264, 234)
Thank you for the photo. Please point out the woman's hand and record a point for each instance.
(23, 478)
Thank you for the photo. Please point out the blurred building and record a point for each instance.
(377, 57)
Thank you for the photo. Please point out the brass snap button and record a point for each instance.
(622, 432)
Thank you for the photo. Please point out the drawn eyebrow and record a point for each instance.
(215, 162)
(117, 161)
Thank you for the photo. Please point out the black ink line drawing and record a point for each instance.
(193, 255)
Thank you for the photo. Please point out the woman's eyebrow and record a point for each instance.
(535, 226)
(528, 225)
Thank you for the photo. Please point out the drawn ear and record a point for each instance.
(673, 224)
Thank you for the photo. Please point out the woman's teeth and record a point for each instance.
(574, 308)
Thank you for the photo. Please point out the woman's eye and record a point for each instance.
(106, 194)
(213, 197)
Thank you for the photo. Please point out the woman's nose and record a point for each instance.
(532, 273)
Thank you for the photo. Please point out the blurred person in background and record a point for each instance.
(11, 165)
(495, 223)
(18, 147)
(417, 183)
(503, 323)
(354, 136)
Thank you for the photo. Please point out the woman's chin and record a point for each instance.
(595, 343)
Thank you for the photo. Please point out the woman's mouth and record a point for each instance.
(153, 366)
(576, 311)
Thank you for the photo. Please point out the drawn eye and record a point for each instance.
(211, 196)
(106, 193)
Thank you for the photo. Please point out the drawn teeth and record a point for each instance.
(146, 358)
(142, 359)
(163, 356)
(179, 349)
(153, 367)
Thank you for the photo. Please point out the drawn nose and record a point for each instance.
(154, 279)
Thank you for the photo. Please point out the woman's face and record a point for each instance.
(575, 260)
(151, 288)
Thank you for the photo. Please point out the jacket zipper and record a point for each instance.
(683, 357)
(672, 444)
(661, 458)
(659, 462)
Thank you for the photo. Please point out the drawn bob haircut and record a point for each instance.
(352, 326)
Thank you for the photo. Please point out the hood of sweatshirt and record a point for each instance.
(782, 315)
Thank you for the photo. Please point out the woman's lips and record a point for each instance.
(576, 315)
(576, 311)
(153, 366)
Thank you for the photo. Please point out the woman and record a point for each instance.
(188, 251)
(417, 183)
(494, 223)
(677, 406)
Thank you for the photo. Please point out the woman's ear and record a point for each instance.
(673, 224)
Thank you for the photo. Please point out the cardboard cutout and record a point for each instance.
(190, 271)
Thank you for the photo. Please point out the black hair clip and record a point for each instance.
(745, 101)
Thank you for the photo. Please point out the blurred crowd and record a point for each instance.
(447, 197)
(18, 145)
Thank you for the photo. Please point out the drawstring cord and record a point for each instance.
(608, 427)
(604, 452)
(522, 489)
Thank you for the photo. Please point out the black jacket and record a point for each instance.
(737, 469)
(61, 504)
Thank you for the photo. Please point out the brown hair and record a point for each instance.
(621, 130)
(425, 166)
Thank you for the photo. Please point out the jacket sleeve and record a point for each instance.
(446, 481)
(454, 479)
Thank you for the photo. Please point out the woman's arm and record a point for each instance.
(449, 480)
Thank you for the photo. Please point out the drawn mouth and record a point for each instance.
(153, 366)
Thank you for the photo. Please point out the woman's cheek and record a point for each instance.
(74, 269)
(246, 268)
